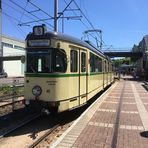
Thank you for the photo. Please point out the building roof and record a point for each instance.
(12, 38)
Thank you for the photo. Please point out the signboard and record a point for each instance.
(38, 43)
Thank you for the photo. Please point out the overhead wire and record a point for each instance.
(12, 20)
(10, 16)
(39, 8)
(88, 21)
(28, 16)
(29, 13)
(23, 13)
(76, 14)
(65, 8)
(78, 8)
(50, 17)
(83, 14)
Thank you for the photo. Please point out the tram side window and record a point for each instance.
(98, 64)
(95, 63)
(105, 68)
(112, 67)
(83, 62)
(92, 62)
(60, 61)
(108, 66)
(74, 61)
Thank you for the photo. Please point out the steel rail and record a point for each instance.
(44, 136)
(7, 97)
(21, 124)
(11, 103)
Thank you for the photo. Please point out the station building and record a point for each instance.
(142, 63)
(13, 47)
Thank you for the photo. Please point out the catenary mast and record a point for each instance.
(1, 47)
(55, 15)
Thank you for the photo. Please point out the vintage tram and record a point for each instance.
(62, 72)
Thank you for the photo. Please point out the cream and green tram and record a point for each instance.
(62, 72)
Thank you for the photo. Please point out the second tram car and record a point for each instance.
(62, 72)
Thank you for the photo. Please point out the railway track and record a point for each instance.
(32, 132)
(37, 142)
(10, 102)
(39, 132)
(10, 105)
(7, 97)
(19, 125)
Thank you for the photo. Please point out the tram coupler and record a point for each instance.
(45, 111)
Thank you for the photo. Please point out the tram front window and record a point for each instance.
(47, 62)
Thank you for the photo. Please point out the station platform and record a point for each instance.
(117, 119)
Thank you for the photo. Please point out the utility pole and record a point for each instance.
(1, 48)
(55, 15)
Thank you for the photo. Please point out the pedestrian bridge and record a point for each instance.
(122, 53)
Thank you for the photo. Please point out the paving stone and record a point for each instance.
(101, 127)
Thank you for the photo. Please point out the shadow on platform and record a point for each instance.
(144, 134)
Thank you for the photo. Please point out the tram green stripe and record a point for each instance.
(59, 75)
(98, 73)
(54, 75)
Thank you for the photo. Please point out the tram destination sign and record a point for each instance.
(38, 43)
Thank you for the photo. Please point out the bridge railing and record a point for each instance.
(117, 50)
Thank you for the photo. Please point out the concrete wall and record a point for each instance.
(13, 47)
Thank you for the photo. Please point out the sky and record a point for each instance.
(123, 22)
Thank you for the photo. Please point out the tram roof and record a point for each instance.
(67, 38)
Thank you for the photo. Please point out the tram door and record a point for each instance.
(82, 76)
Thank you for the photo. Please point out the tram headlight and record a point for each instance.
(36, 91)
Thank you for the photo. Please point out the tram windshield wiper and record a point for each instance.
(32, 69)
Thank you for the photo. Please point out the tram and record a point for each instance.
(63, 72)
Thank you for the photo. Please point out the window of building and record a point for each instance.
(74, 60)
(7, 45)
(19, 47)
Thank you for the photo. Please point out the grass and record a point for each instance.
(10, 90)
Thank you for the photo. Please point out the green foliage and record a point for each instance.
(118, 62)
(8, 90)
(5, 89)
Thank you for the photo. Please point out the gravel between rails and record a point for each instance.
(28, 134)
